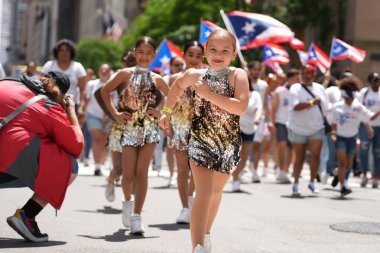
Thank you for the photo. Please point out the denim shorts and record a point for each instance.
(94, 122)
(75, 167)
(246, 138)
(348, 144)
(303, 139)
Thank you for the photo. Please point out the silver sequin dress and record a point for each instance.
(181, 121)
(139, 93)
(215, 140)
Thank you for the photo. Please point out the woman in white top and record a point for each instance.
(97, 122)
(306, 125)
(346, 117)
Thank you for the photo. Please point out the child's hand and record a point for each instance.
(164, 123)
(201, 89)
(153, 112)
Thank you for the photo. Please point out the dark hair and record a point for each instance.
(173, 59)
(64, 42)
(52, 90)
(292, 72)
(146, 40)
(128, 59)
(372, 76)
(192, 44)
(350, 84)
(254, 64)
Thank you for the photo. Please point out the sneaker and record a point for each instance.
(345, 191)
(85, 162)
(364, 181)
(172, 182)
(128, 207)
(207, 243)
(283, 178)
(313, 188)
(335, 181)
(199, 249)
(26, 227)
(325, 177)
(265, 172)
(191, 201)
(255, 177)
(110, 192)
(136, 226)
(184, 216)
(296, 192)
(97, 172)
(375, 183)
(235, 186)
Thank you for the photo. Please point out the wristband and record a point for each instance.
(311, 102)
(333, 132)
(167, 110)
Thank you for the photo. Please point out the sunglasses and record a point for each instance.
(177, 65)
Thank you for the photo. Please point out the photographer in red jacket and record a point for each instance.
(39, 147)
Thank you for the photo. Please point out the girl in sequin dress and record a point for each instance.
(221, 95)
(180, 123)
(140, 134)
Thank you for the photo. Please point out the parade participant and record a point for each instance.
(306, 127)
(221, 95)
(181, 122)
(370, 98)
(140, 134)
(97, 121)
(39, 146)
(346, 117)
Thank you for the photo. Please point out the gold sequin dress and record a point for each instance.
(139, 94)
(215, 133)
(181, 121)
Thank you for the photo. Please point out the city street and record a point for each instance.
(263, 218)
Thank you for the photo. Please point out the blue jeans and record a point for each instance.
(332, 162)
(325, 152)
(365, 143)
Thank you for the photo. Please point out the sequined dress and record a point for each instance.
(181, 121)
(139, 93)
(215, 133)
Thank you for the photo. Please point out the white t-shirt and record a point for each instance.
(260, 86)
(2, 72)
(347, 118)
(247, 124)
(283, 108)
(310, 120)
(372, 102)
(93, 107)
(74, 72)
(334, 95)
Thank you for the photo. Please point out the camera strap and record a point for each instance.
(20, 109)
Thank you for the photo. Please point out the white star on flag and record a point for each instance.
(269, 53)
(337, 50)
(207, 33)
(165, 60)
(249, 27)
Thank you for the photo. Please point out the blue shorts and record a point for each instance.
(75, 167)
(94, 122)
(246, 138)
(347, 144)
(303, 139)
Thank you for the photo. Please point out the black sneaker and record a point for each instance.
(345, 191)
(26, 227)
(335, 181)
(98, 172)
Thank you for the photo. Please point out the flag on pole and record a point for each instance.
(207, 27)
(297, 44)
(254, 30)
(303, 56)
(275, 67)
(318, 58)
(165, 52)
(340, 50)
(275, 53)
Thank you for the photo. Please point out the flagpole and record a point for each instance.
(231, 29)
(331, 51)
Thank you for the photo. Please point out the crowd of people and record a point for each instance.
(213, 123)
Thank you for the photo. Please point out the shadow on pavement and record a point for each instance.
(171, 226)
(7, 243)
(239, 191)
(121, 235)
(105, 210)
(299, 197)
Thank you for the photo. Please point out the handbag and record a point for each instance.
(325, 121)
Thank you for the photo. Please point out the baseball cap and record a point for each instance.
(61, 79)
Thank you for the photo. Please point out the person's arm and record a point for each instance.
(371, 132)
(272, 113)
(162, 85)
(237, 104)
(308, 104)
(106, 91)
(333, 132)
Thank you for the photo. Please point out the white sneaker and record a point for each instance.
(172, 182)
(283, 178)
(375, 183)
(199, 249)
(136, 226)
(235, 186)
(207, 243)
(191, 201)
(313, 188)
(184, 216)
(110, 192)
(255, 177)
(265, 172)
(128, 207)
(325, 177)
(296, 192)
(364, 181)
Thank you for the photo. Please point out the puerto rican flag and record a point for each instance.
(275, 53)
(254, 30)
(165, 52)
(297, 44)
(275, 67)
(340, 50)
(318, 58)
(207, 27)
(303, 55)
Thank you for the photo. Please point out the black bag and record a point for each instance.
(325, 121)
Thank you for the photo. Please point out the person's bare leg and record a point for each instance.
(244, 153)
(39, 200)
(288, 158)
(299, 150)
(182, 176)
(256, 154)
(129, 163)
(116, 171)
(170, 159)
(315, 151)
(141, 179)
(204, 186)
